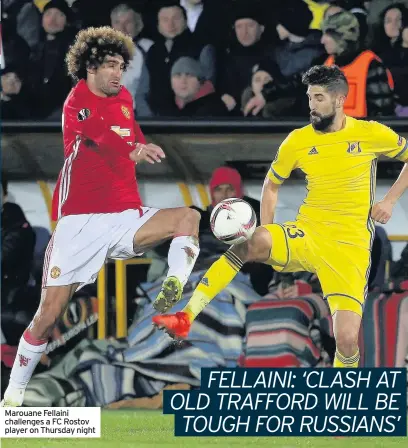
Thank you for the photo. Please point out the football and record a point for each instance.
(233, 221)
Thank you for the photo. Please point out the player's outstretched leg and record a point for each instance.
(218, 276)
(346, 326)
(34, 341)
(181, 225)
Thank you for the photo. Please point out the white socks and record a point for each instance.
(27, 358)
(182, 256)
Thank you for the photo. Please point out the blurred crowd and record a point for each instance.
(212, 58)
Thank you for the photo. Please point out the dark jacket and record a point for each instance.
(297, 57)
(236, 67)
(18, 241)
(155, 85)
(50, 83)
(206, 105)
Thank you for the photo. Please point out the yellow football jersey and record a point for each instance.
(340, 169)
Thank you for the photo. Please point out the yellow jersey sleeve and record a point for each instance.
(388, 143)
(284, 163)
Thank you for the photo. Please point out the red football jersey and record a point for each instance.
(99, 133)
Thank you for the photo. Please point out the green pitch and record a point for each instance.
(130, 429)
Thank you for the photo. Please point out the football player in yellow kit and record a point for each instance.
(334, 229)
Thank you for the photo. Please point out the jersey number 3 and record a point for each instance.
(294, 232)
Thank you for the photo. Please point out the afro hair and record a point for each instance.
(92, 45)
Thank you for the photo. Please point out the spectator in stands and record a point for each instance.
(264, 73)
(18, 241)
(126, 19)
(14, 47)
(387, 38)
(26, 19)
(389, 46)
(194, 96)
(15, 98)
(356, 7)
(400, 75)
(206, 19)
(247, 48)
(399, 270)
(299, 45)
(154, 95)
(371, 84)
(49, 80)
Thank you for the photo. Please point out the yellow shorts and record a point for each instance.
(342, 269)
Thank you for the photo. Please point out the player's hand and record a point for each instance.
(150, 153)
(382, 211)
(255, 105)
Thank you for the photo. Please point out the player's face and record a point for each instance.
(223, 191)
(322, 107)
(109, 74)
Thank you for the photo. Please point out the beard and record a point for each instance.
(321, 122)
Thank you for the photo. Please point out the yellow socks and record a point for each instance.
(342, 361)
(220, 274)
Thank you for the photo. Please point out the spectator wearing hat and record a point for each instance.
(299, 46)
(129, 21)
(154, 95)
(194, 95)
(49, 81)
(371, 83)
(246, 49)
(267, 72)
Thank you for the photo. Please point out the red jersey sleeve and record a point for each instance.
(139, 137)
(90, 125)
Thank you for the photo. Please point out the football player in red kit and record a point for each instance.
(96, 201)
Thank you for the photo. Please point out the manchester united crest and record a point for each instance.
(55, 272)
(125, 111)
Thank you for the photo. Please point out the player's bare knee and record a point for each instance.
(259, 246)
(346, 341)
(187, 222)
(192, 215)
(255, 249)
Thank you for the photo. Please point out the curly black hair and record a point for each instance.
(330, 77)
(92, 45)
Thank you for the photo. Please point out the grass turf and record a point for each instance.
(130, 429)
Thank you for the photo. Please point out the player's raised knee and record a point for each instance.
(258, 248)
(192, 214)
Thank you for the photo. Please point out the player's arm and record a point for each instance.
(391, 145)
(269, 199)
(279, 171)
(89, 124)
